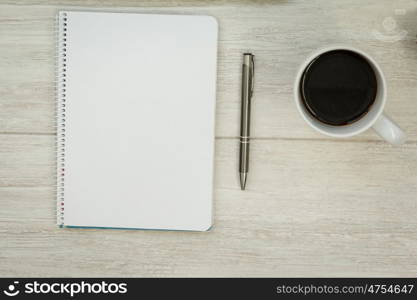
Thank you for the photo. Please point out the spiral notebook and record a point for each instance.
(135, 120)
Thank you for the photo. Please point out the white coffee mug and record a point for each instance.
(375, 117)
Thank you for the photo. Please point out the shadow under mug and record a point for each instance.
(375, 118)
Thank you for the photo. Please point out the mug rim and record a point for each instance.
(381, 89)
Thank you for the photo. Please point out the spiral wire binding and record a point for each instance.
(61, 86)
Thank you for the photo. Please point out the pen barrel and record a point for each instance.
(246, 96)
(244, 155)
(247, 85)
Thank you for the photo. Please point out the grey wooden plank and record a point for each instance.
(27, 160)
(145, 3)
(312, 207)
(281, 34)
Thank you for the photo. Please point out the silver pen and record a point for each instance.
(248, 71)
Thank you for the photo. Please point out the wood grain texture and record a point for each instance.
(314, 206)
(305, 213)
(281, 35)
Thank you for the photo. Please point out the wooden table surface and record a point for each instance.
(314, 206)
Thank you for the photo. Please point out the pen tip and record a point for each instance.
(243, 177)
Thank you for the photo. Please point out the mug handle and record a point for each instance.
(389, 130)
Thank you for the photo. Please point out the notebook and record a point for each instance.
(135, 120)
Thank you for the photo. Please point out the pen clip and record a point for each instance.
(252, 73)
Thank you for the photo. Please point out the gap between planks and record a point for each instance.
(351, 140)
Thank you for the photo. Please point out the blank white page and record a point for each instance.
(136, 113)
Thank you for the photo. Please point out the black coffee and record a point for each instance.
(338, 87)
